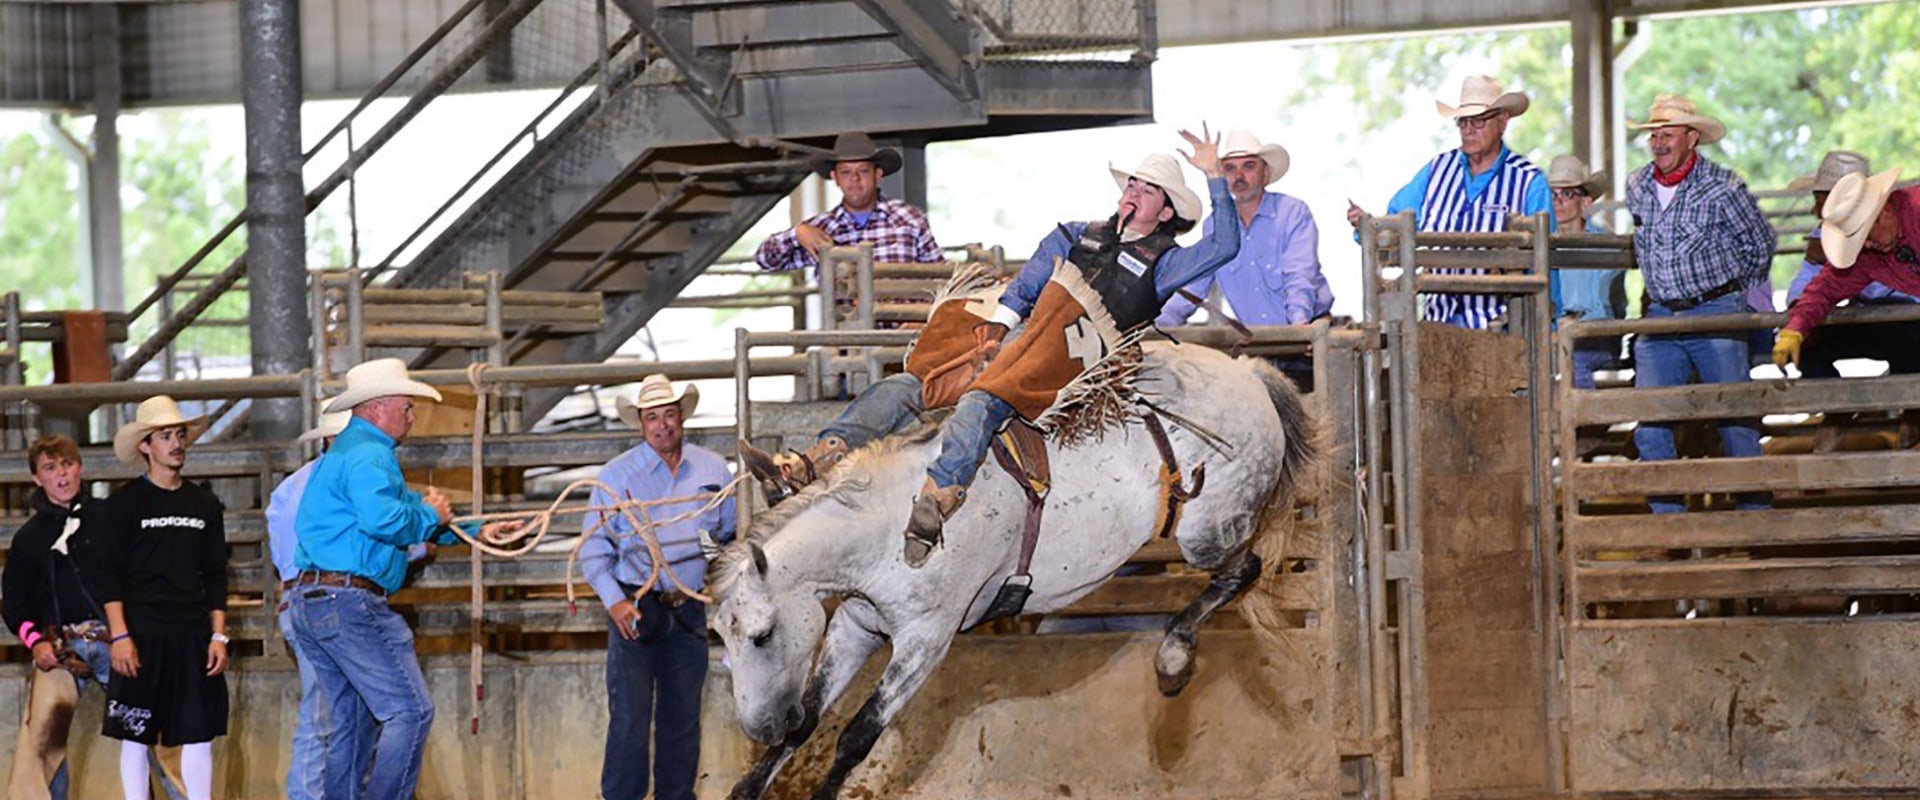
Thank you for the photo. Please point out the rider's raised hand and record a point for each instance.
(1205, 155)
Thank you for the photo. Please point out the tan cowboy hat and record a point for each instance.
(1161, 170)
(158, 411)
(1851, 209)
(656, 390)
(381, 377)
(1568, 171)
(1241, 143)
(331, 424)
(1833, 166)
(1480, 94)
(1674, 109)
(857, 146)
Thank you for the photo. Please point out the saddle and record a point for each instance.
(1021, 450)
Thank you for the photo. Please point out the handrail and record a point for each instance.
(442, 79)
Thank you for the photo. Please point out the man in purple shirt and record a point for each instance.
(1893, 342)
(898, 231)
(1276, 279)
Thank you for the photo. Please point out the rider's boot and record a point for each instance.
(783, 474)
(931, 510)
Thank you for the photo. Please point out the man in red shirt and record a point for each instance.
(1871, 234)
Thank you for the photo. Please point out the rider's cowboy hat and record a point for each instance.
(1161, 170)
(857, 146)
(1480, 94)
(656, 390)
(331, 424)
(1835, 165)
(381, 377)
(1674, 109)
(154, 413)
(1568, 171)
(1850, 212)
(1241, 143)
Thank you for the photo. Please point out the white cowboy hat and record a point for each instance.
(1161, 170)
(656, 390)
(1833, 166)
(1241, 143)
(1674, 109)
(1480, 94)
(331, 424)
(381, 377)
(1850, 212)
(158, 411)
(1568, 171)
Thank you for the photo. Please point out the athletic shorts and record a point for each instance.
(172, 701)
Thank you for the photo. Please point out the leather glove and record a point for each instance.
(1786, 347)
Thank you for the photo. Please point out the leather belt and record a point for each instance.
(1715, 293)
(344, 580)
(89, 631)
(671, 598)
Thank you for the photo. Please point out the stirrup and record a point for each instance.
(1011, 599)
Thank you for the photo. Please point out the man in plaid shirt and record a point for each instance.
(1701, 242)
(898, 231)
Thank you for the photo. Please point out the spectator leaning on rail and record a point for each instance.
(1086, 287)
(356, 519)
(1585, 293)
(1701, 242)
(898, 231)
(1871, 234)
(1472, 189)
(48, 606)
(1897, 343)
(657, 640)
(162, 549)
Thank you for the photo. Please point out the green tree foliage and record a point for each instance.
(39, 228)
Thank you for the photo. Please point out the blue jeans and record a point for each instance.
(965, 437)
(882, 409)
(654, 682)
(359, 649)
(1588, 356)
(1674, 360)
(333, 737)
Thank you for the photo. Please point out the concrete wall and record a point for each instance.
(1005, 717)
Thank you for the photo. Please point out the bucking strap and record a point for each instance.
(1173, 492)
(1022, 451)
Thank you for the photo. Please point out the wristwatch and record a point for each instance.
(222, 638)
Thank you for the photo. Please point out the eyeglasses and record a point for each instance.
(1906, 255)
(1572, 193)
(1477, 123)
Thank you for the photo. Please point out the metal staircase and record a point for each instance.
(707, 125)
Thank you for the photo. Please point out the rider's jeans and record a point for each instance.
(965, 437)
(883, 409)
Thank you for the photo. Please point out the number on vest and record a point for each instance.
(1084, 343)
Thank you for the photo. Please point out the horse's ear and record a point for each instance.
(759, 559)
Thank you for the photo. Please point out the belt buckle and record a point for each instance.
(672, 599)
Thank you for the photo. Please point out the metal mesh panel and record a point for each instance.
(1032, 27)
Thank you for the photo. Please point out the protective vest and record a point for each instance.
(1122, 272)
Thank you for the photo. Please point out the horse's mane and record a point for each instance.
(853, 476)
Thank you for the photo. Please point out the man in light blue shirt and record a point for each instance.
(656, 639)
(1472, 189)
(1276, 278)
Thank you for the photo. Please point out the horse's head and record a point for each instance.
(770, 632)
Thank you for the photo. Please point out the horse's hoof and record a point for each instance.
(1173, 665)
(917, 552)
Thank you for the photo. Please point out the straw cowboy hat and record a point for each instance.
(1851, 209)
(857, 146)
(154, 413)
(656, 390)
(1833, 166)
(1161, 170)
(1480, 94)
(1568, 171)
(1674, 109)
(331, 424)
(381, 377)
(1241, 143)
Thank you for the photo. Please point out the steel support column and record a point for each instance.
(1593, 118)
(103, 175)
(276, 206)
(910, 182)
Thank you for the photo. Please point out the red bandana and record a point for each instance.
(1672, 179)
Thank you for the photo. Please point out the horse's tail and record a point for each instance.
(1298, 479)
(1303, 437)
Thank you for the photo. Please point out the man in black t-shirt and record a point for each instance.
(161, 544)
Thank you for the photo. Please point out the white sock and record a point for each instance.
(133, 771)
(196, 770)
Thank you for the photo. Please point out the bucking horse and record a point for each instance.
(840, 538)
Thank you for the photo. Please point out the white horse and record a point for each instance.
(841, 538)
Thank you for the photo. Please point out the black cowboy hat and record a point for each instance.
(857, 146)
